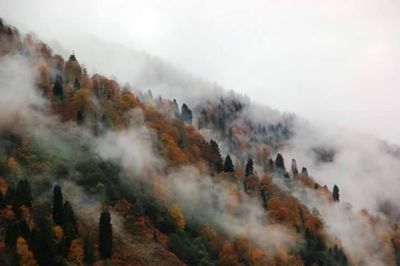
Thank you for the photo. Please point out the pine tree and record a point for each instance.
(216, 156)
(105, 235)
(88, 252)
(335, 193)
(58, 205)
(11, 235)
(186, 114)
(294, 168)
(279, 162)
(249, 167)
(58, 90)
(228, 165)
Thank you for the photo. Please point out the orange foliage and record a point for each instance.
(76, 252)
(58, 232)
(227, 255)
(173, 151)
(26, 256)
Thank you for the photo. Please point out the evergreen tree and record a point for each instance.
(335, 193)
(279, 162)
(88, 252)
(186, 114)
(58, 212)
(23, 195)
(105, 235)
(304, 171)
(2, 200)
(216, 156)
(228, 165)
(295, 172)
(43, 242)
(249, 167)
(175, 108)
(11, 235)
(58, 90)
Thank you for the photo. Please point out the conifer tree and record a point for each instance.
(295, 172)
(249, 167)
(105, 235)
(279, 162)
(58, 205)
(216, 156)
(335, 193)
(228, 166)
(186, 114)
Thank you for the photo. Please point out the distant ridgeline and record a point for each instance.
(65, 199)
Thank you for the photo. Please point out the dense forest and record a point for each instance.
(93, 172)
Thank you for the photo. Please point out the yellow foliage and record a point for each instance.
(177, 215)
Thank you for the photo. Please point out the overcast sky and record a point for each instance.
(333, 61)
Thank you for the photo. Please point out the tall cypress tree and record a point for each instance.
(105, 235)
(335, 193)
(249, 167)
(228, 166)
(58, 212)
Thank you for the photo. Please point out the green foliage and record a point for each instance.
(191, 251)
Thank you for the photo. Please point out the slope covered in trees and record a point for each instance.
(91, 172)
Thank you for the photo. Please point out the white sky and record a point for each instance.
(330, 61)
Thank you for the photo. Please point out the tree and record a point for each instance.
(335, 193)
(105, 235)
(76, 253)
(228, 165)
(12, 232)
(58, 90)
(249, 167)
(26, 256)
(279, 162)
(294, 168)
(23, 196)
(88, 251)
(216, 158)
(58, 212)
(177, 215)
(175, 108)
(186, 114)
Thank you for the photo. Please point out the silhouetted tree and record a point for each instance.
(294, 168)
(58, 212)
(279, 162)
(11, 235)
(249, 167)
(105, 235)
(175, 108)
(216, 156)
(335, 193)
(80, 118)
(186, 114)
(88, 251)
(304, 171)
(228, 165)
(58, 89)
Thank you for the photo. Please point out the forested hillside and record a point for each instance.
(93, 172)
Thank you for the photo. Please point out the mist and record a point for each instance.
(335, 62)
